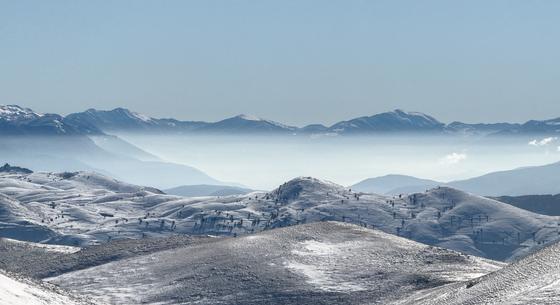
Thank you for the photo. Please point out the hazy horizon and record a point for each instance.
(265, 162)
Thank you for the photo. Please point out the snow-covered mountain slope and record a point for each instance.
(394, 121)
(321, 263)
(19, 291)
(247, 124)
(15, 120)
(124, 120)
(532, 280)
(121, 119)
(116, 119)
(18, 120)
(9, 245)
(480, 128)
(13, 113)
(90, 208)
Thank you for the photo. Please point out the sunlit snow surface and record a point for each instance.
(24, 292)
(532, 280)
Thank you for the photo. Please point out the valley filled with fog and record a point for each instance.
(263, 162)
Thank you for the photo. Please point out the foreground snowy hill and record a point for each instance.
(20, 291)
(532, 280)
(86, 208)
(320, 263)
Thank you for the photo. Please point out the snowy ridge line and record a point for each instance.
(96, 122)
(87, 208)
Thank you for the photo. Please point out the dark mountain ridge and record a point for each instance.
(16, 120)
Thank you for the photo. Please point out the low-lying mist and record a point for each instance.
(263, 162)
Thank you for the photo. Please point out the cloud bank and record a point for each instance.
(543, 142)
(453, 158)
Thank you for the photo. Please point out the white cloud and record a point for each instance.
(543, 142)
(453, 158)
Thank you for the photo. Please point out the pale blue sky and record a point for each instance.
(297, 61)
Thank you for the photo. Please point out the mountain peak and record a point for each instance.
(133, 115)
(15, 112)
(17, 120)
(7, 168)
(248, 117)
(116, 119)
(393, 121)
(244, 123)
(293, 189)
(408, 114)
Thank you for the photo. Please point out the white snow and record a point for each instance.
(319, 258)
(319, 273)
(14, 112)
(532, 280)
(249, 117)
(141, 117)
(47, 247)
(92, 208)
(25, 292)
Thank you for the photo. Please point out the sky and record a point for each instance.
(294, 61)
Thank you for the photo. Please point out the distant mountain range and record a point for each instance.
(533, 180)
(17, 120)
(395, 184)
(201, 190)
